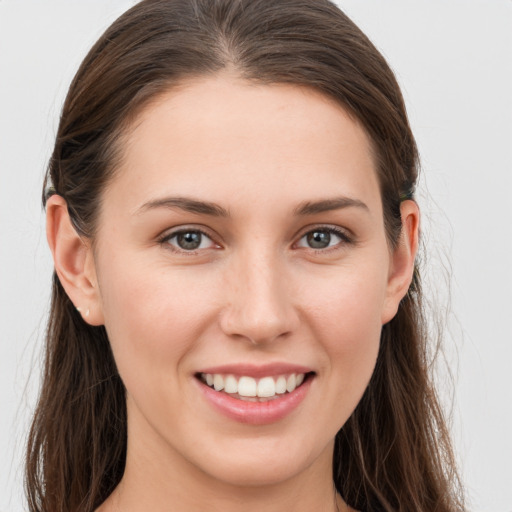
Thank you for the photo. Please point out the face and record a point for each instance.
(242, 243)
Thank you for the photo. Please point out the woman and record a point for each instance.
(236, 320)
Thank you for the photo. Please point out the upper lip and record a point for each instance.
(252, 370)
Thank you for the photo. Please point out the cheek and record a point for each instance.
(345, 313)
(152, 317)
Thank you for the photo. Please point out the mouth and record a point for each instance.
(251, 389)
(255, 397)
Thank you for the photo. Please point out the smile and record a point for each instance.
(255, 396)
(252, 389)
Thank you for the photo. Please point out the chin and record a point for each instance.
(256, 473)
(264, 462)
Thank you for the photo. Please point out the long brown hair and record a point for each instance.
(394, 453)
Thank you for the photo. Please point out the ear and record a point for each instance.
(402, 260)
(73, 260)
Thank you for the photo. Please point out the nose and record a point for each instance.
(259, 303)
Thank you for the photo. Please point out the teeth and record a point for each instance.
(230, 384)
(247, 387)
(265, 387)
(218, 382)
(281, 385)
(291, 383)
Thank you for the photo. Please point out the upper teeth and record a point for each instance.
(248, 386)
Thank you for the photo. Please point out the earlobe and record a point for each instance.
(402, 260)
(73, 260)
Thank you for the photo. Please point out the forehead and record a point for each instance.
(229, 138)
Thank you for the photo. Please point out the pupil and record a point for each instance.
(319, 239)
(189, 240)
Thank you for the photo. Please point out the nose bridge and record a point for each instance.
(259, 306)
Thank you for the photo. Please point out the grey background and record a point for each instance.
(453, 60)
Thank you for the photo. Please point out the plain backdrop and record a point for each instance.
(453, 59)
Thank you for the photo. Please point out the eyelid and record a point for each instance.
(346, 236)
(172, 232)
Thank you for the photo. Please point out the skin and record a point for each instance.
(254, 291)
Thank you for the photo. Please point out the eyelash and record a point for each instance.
(164, 240)
(345, 239)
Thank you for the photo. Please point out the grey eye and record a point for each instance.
(191, 240)
(322, 238)
(318, 239)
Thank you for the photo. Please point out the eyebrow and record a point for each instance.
(326, 205)
(187, 204)
(207, 208)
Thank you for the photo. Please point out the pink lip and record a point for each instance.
(255, 413)
(256, 371)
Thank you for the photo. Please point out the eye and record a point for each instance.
(189, 240)
(323, 238)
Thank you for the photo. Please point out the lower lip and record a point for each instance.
(256, 413)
